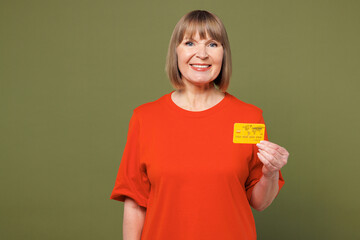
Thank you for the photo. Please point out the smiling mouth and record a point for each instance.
(200, 66)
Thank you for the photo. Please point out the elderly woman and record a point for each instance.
(184, 174)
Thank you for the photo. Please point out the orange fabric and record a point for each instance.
(185, 169)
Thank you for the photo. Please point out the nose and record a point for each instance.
(202, 51)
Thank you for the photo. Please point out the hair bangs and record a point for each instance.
(204, 26)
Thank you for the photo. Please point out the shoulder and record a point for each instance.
(244, 107)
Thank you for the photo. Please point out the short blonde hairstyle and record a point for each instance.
(205, 23)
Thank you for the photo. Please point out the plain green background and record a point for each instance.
(72, 72)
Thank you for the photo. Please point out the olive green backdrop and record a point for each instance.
(72, 72)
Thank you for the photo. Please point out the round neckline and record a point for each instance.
(219, 106)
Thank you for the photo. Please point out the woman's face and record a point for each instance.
(199, 61)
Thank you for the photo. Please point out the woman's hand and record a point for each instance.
(273, 156)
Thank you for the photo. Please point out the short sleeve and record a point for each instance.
(255, 169)
(132, 180)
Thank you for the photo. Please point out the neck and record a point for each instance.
(198, 97)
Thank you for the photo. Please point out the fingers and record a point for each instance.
(272, 155)
(271, 159)
(272, 148)
(268, 165)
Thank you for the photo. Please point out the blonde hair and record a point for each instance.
(205, 23)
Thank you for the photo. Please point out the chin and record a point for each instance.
(200, 82)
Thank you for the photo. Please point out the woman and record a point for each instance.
(182, 174)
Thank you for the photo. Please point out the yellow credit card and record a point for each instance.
(248, 132)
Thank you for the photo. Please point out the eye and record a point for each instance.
(189, 43)
(213, 44)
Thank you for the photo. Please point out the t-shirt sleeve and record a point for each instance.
(132, 180)
(255, 169)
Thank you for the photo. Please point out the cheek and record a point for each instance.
(181, 62)
(220, 56)
(183, 54)
(217, 56)
(183, 57)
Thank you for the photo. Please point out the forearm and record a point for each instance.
(265, 191)
(133, 222)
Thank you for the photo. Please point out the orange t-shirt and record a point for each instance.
(185, 169)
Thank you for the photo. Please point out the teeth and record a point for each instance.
(201, 66)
